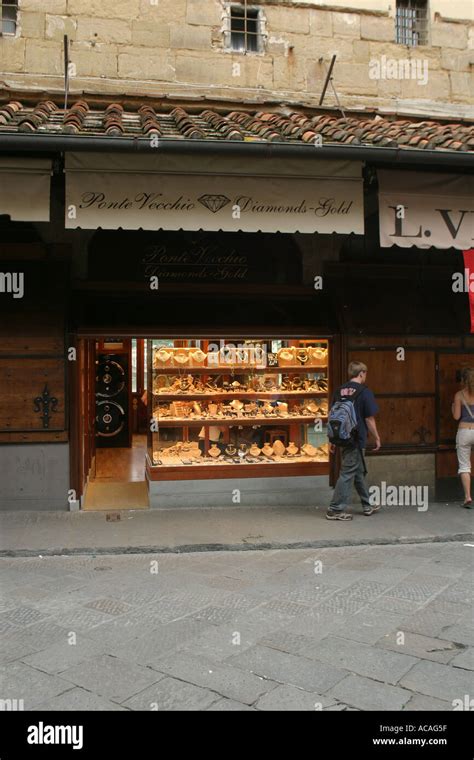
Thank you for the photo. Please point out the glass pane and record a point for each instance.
(9, 19)
(145, 375)
(134, 365)
(224, 402)
(237, 40)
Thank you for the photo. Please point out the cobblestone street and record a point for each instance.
(365, 628)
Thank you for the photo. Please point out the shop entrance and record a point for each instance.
(113, 423)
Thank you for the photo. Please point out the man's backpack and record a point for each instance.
(342, 420)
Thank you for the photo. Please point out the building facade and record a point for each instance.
(198, 49)
(188, 142)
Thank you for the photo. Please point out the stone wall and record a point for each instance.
(34, 477)
(176, 47)
(402, 470)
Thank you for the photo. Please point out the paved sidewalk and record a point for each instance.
(23, 533)
(354, 628)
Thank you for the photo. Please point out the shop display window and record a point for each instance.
(256, 402)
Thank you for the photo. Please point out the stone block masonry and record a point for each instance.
(126, 45)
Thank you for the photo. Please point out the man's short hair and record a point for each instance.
(355, 367)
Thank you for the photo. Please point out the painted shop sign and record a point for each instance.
(212, 203)
(205, 263)
(424, 210)
(201, 257)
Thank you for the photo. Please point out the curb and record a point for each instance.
(200, 548)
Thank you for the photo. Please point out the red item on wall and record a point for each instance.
(469, 265)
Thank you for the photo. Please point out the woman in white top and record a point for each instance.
(463, 410)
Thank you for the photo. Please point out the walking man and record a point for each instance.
(353, 470)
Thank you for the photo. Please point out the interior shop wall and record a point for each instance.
(315, 251)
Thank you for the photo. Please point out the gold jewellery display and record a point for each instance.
(255, 402)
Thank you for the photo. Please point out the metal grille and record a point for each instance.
(411, 22)
(8, 16)
(243, 31)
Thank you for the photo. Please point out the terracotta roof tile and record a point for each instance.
(284, 125)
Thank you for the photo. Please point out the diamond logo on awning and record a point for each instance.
(214, 202)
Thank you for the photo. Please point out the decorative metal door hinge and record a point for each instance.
(49, 404)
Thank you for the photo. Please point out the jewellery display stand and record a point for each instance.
(211, 413)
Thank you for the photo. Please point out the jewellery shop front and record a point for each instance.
(207, 347)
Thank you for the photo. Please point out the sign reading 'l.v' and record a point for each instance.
(426, 210)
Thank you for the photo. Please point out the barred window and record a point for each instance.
(8, 16)
(243, 32)
(411, 22)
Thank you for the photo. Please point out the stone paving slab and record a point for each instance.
(311, 594)
(109, 606)
(59, 657)
(440, 681)
(290, 698)
(118, 631)
(172, 694)
(77, 699)
(391, 604)
(420, 702)
(418, 588)
(220, 642)
(362, 659)
(214, 615)
(423, 647)
(427, 622)
(287, 668)
(20, 681)
(443, 568)
(318, 625)
(462, 633)
(110, 677)
(464, 660)
(37, 636)
(21, 616)
(80, 619)
(367, 694)
(260, 622)
(286, 641)
(454, 609)
(229, 705)
(12, 650)
(219, 677)
(151, 646)
(367, 627)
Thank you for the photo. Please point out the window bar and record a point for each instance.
(245, 27)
